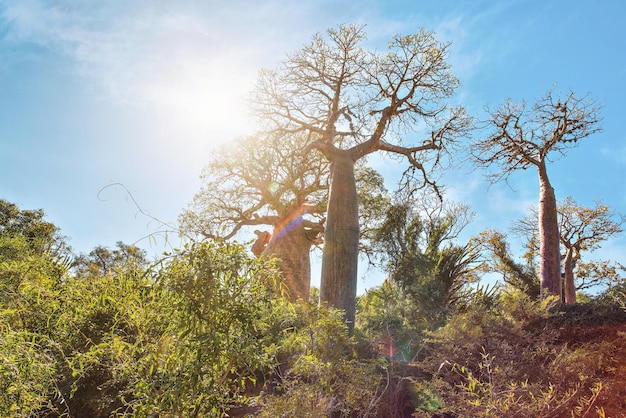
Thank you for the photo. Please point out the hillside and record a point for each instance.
(571, 362)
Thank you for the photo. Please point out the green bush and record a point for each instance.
(322, 371)
(27, 374)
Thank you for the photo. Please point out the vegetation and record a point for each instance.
(206, 331)
(210, 330)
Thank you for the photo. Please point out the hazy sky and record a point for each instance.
(95, 93)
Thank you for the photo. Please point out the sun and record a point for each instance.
(199, 101)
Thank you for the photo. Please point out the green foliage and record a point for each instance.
(423, 260)
(522, 276)
(41, 236)
(213, 346)
(206, 332)
(322, 372)
(101, 261)
(426, 396)
(391, 322)
(27, 371)
(185, 340)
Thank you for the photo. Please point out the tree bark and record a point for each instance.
(341, 240)
(568, 281)
(549, 238)
(292, 248)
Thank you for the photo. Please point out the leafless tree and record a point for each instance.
(262, 180)
(351, 102)
(583, 229)
(519, 137)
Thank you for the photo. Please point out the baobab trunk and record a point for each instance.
(292, 248)
(549, 238)
(341, 240)
(568, 280)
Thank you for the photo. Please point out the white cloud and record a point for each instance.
(191, 67)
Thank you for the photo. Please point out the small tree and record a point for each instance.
(521, 276)
(519, 138)
(351, 102)
(423, 259)
(102, 261)
(583, 229)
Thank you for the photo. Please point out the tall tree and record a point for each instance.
(581, 230)
(519, 138)
(351, 102)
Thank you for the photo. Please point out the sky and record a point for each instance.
(110, 110)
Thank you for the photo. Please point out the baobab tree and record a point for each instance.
(351, 102)
(519, 138)
(261, 181)
(582, 230)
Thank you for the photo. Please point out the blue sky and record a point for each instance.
(139, 92)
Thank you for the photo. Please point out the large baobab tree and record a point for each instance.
(519, 138)
(351, 102)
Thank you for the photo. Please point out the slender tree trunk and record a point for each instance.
(549, 238)
(341, 240)
(292, 248)
(568, 267)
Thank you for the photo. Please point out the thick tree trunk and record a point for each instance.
(292, 248)
(568, 267)
(549, 238)
(341, 240)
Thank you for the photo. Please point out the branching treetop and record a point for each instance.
(583, 228)
(349, 100)
(519, 137)
(258, 180)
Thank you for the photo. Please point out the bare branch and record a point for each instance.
(517, 138)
